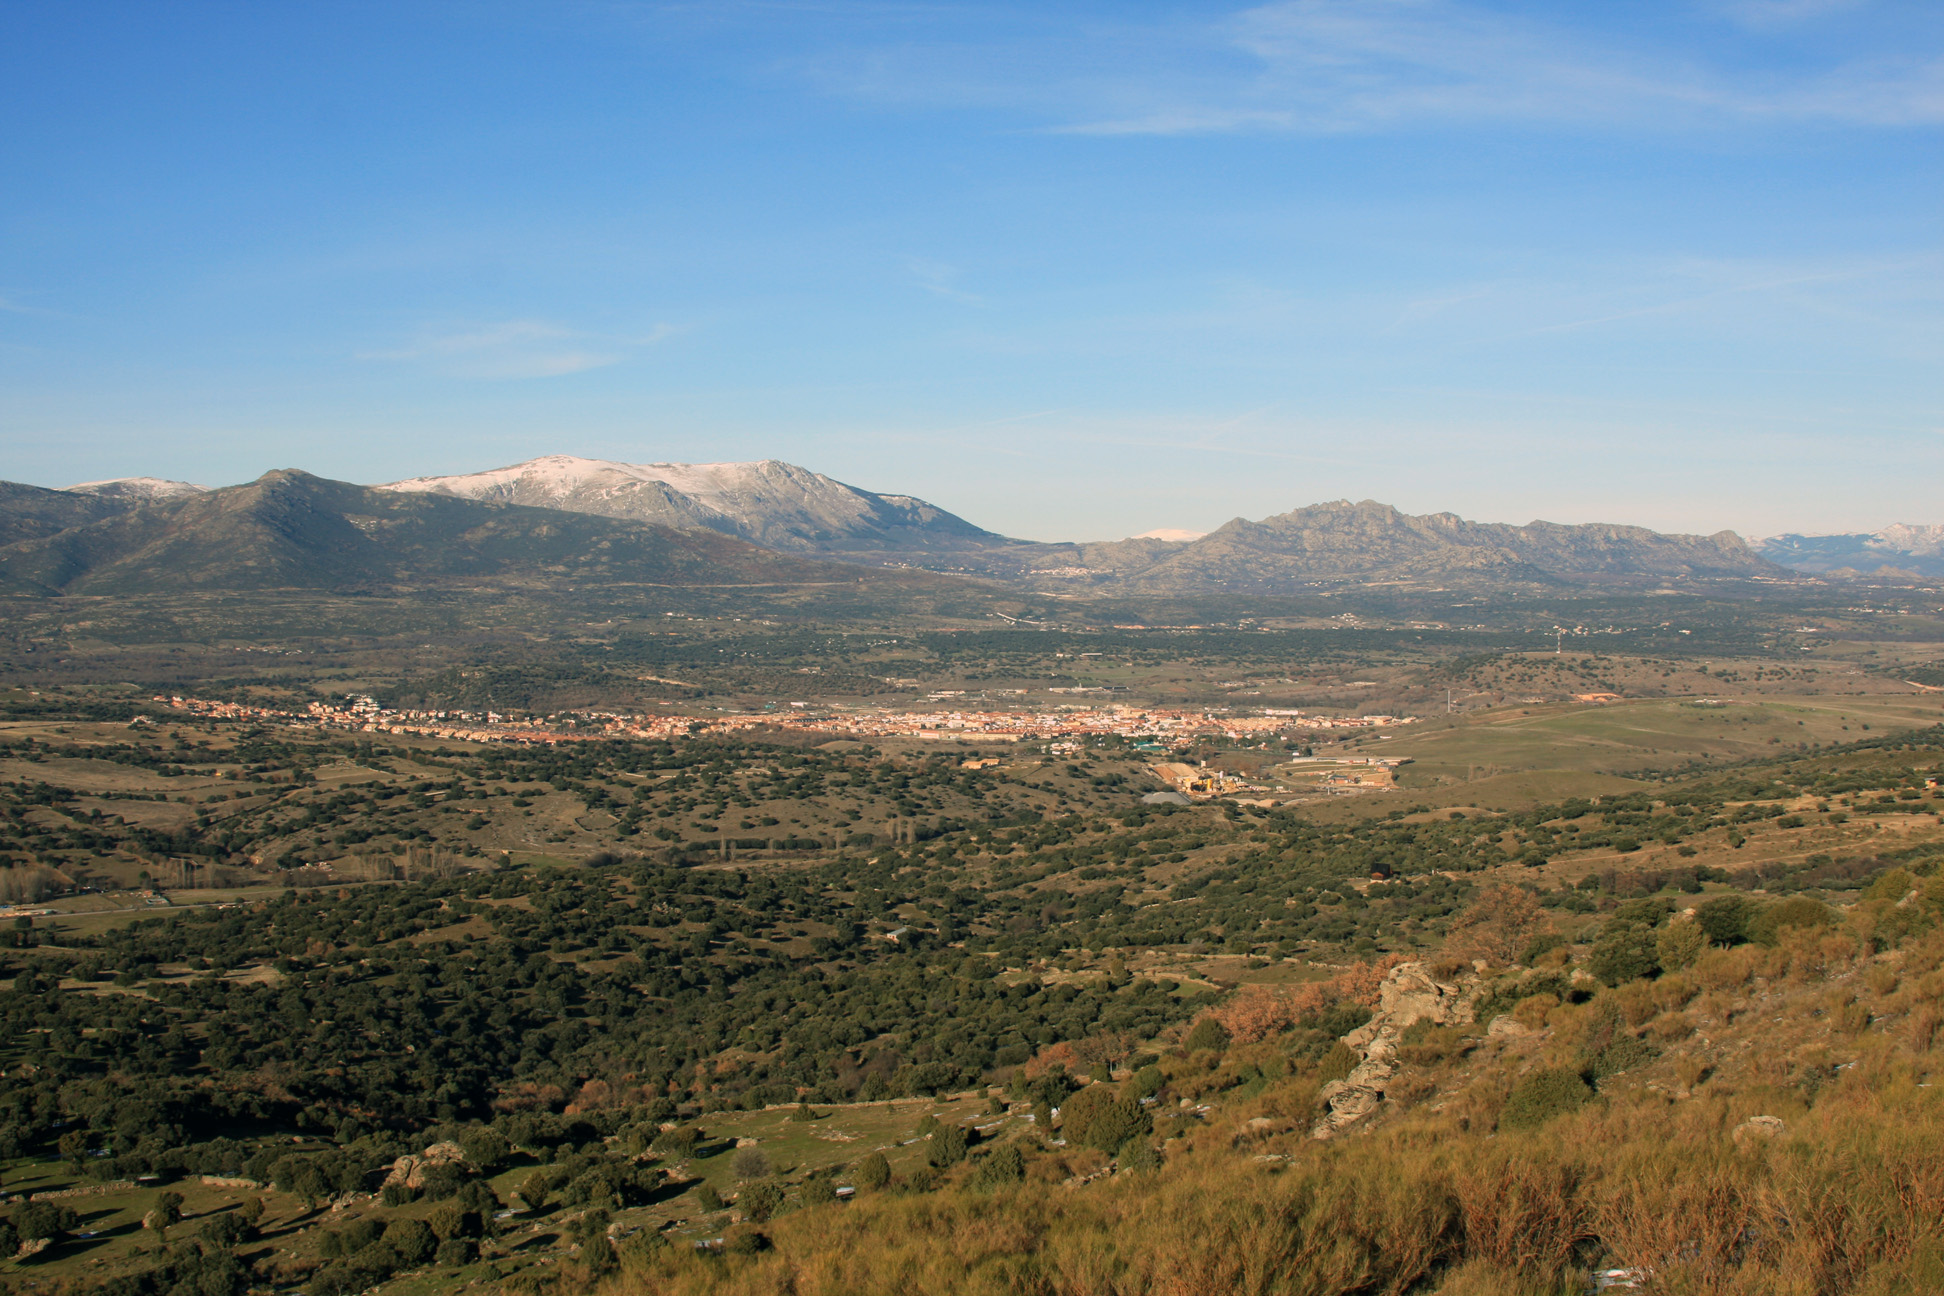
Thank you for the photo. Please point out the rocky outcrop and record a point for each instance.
(1410, 994)
(409, 1171)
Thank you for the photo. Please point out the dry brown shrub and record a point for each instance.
(1920, 1031)
(1259, 1011)
(1522, 1207)
(1499, 926)
(1725, 969)
(1531, 1012)
(1637, 1002)
(1673, 993)
(1674, 1026)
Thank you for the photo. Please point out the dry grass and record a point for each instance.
(1849, 1198)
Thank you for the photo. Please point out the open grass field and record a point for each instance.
(1633, 736)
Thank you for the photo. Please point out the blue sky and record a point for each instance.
(1070, 270)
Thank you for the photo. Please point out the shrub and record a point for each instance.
(1539, 945)
(411, 1240)
(1625, 953)
(947, 1146)
(1207, 1034)
(1543, 1095)
(1799, 911)
(1608, 1047)
(1724, 919)
(750, 1163)
(456, 1251)
(451, 1220)
(1138, 1156)
(1680, 943)
(1006, 1165)
(761, 1200)
(819, 1192)
(589, 1226)
(677, 1142)
(871, 1172)
(485, 1148)
(708, 1198)
(1099, 1117)
(1339, 1062)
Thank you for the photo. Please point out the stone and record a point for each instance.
(1409, 994)
(409, 1171)
(1760, 1127)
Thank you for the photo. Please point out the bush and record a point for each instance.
(678, 1142)
(1339, 1062)
(485, 1148)
(761, 1200)
(1608, 1047)
(1539, 945)
(1625, 953)
(819, 1192)
(1207, 1034)
(708, 1198)
(1725, 919)
(411, 1240)
(1099, 1117)
(750, 1163)
(1138, 1156)
(1679, 944)
(1006, 1165)
(871, 1172)
(1543, 1095)
(451, 1220)
(1800, 911)
(947, 1146)
(456, 1251)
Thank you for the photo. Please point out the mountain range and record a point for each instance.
(595, 521)
(291, 530)
(1898, 550)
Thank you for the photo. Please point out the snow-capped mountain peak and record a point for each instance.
(136, 488)
(773, 503)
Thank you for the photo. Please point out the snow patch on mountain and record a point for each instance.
(137, 488)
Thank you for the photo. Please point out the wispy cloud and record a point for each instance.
(1337, 66)
(518, 349)
(939, 279)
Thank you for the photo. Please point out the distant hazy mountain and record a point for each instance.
(771, 503)
(290, 530)
(1368, 543)
(1916, 549)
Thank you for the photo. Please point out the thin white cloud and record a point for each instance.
(518, 349)
(940, 280)
(1337, 66)
(1768, 14)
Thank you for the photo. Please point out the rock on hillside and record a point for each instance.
(1409, 994)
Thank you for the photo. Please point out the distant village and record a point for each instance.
(1150, 729)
